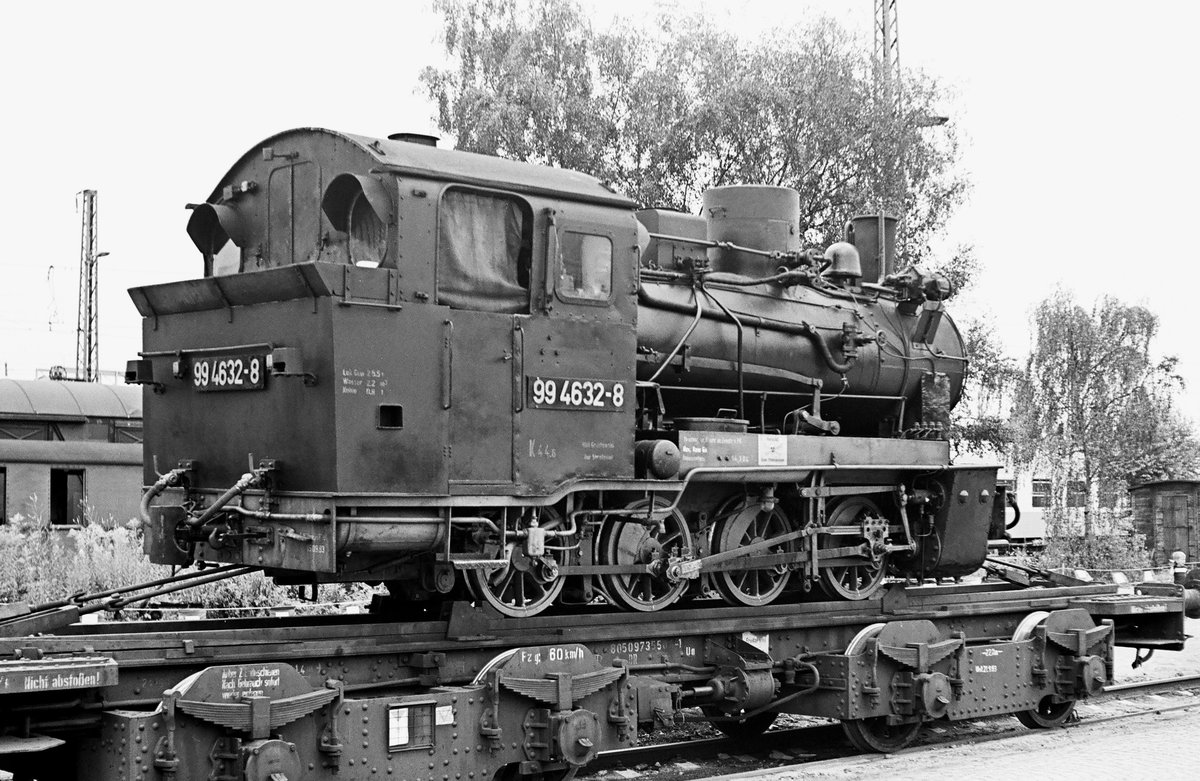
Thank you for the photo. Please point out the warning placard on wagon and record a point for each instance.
(772, 450)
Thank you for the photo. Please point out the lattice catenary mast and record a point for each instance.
(887, 50)
(87, 336)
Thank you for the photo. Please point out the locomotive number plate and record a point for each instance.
(564, 393)
(242, 371)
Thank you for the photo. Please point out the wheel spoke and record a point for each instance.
(855, 581)
(742, 522)
(505, 582)
(623, 542)
(517, 589)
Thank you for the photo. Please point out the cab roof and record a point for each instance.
(454, 165)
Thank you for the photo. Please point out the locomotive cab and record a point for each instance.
(390, 319)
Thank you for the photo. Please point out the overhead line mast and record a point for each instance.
(87, 335)
(887, 51)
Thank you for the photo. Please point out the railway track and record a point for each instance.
(711, 759)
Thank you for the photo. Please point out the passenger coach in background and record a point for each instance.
(456, 373)
(69, 452)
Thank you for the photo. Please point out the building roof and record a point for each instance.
(1175, 481)
(58, 399)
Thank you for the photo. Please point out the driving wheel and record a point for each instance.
(858, 580)
(742, 522)
(633, 541)
(522, 586)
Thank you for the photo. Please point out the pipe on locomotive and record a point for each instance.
(741, 368)
(246, 481)
(683, 339)
(791, 329)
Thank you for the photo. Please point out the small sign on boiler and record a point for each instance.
(772, 450)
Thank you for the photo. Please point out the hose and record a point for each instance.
(247, 480)
(169, 480)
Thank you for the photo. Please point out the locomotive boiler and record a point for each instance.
(471, 377)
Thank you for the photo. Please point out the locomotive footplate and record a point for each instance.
(370, 697)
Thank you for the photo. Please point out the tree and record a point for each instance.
(663, 113)
(1096, 405)
(981, 424)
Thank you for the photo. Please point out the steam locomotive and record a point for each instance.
(458, 374)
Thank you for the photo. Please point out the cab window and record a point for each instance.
(484, 251)
(586, 270)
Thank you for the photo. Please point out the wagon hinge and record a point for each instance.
(329, 745)
(1040, 674)
(871, 685)
(617, 714)
(489, 722)
(960, 659)
(165, 758)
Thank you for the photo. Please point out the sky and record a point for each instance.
(1077, 121)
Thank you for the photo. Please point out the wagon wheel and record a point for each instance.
(513, 773)
(1048, 714)
(746, 729)
(875, 733)
(625, 540)
(742, 522)
(523, 586)
(853, 581)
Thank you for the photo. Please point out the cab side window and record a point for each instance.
(484, 251)
(586, 270)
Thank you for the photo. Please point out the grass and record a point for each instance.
(41, 564)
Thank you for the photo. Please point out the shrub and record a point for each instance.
(39, 564)
(1113, 546)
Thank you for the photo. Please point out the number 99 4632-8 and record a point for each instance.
(566, 393)
(229, 372)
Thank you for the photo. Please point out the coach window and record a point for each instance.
(1041, 493)
(484, 251)
(586, 271)
(1077, 493)
(66, 496)
(3, 495)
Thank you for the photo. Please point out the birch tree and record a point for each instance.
(663, 112)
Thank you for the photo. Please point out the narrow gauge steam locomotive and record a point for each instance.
(443, 370)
